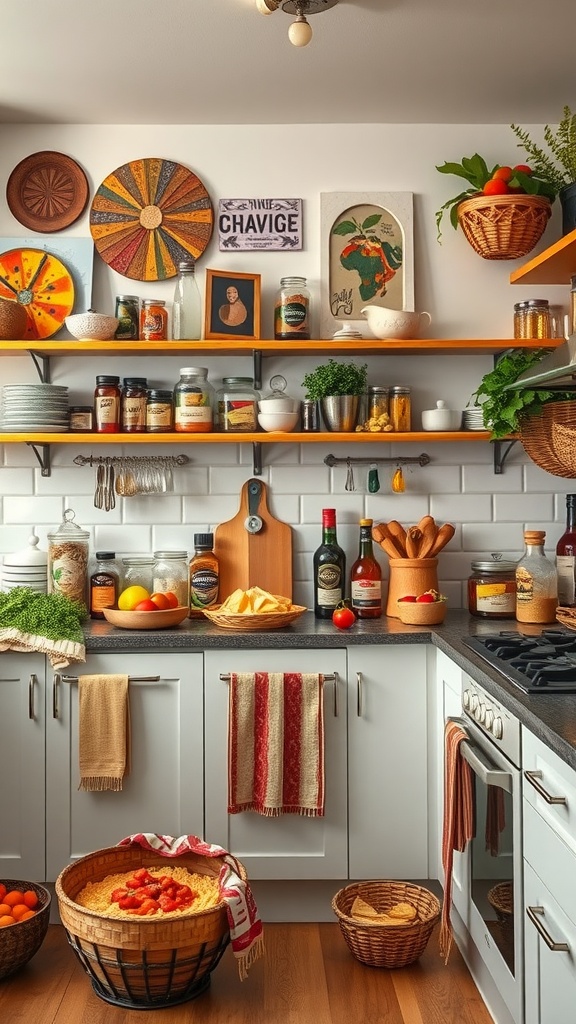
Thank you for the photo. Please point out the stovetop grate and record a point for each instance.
(536, 664)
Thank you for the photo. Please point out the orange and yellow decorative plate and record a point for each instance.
(40, 283)
(147, 216)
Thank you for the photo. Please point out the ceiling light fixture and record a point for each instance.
(300, 32)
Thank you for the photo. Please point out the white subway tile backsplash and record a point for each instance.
(299, 479)
(66, 480)
(16, 481)
(462, 507)
(483, 479)
(507, 506)
(536, 479)
(153, 508)
(40, 510)
(490, 537)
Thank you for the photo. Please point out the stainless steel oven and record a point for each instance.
(487, 876)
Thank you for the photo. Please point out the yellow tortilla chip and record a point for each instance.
(402, 911)
(360, 908)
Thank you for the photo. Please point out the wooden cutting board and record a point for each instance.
(254, 549)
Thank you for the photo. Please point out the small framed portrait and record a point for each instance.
(232, 308)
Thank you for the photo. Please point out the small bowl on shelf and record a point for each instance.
(92, 326)
(162, 619)
(277, 421)
(441, 418)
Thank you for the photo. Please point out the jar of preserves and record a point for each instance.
(492, 588)
(292, 310)
(133, 405)
(107, 396)
(138, 571)
(193, 400)
(237, 406)
(68, 560)
(532, 319)
(128, 313)
(401, 409)
(170, 573)
(153, 320)
(159, 411)
(81, 418)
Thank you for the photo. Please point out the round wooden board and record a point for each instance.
(47, 191)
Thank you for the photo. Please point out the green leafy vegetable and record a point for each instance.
(502, 410)
(333, 378)
(49, 615)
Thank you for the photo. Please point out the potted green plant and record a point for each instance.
(504, 407)
(558, 165)
(337, 387)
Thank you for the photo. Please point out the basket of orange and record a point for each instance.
(24, 918)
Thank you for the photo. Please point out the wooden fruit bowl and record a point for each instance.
(162, 619)
(415, 614)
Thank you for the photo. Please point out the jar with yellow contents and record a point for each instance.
(401, 409)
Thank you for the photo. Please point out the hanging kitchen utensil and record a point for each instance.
(398, 482)
(349, 485)
(373, 479)
(254, 548)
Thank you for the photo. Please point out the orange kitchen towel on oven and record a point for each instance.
(103, 731)
(276, 743)
(458, 827)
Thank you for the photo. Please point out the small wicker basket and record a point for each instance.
(501, 897)
(541, 439)
(503, 227)
(143, 962)
(379, 945)
(21, 941)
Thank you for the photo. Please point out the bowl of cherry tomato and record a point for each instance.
(428, 609)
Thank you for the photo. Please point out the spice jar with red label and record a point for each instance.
(107, 396)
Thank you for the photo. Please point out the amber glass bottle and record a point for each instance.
(366, 577)
(566, 556)
(204, 575)
(536, 585)
(104, 584)
(329, 568)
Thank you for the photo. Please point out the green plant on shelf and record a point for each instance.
(502, 410)
(334, 378)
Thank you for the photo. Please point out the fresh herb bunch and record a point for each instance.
(53, 616)
(502, 410)
(333, 378)
(559, 169)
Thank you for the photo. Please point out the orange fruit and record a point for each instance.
(30, 898)
(3, 891)
(503, 174)
(5, 920)
(13, 897)
(28, 915)
(18, 910)
(172, 599)
(495, 187)
(5, 909)
(161, 601)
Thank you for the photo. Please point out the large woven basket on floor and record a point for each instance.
(379, 945)
(19, 942)
(503, 227)
(144, 962)
(540, 439)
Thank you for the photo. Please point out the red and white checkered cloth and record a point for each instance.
(246, 932)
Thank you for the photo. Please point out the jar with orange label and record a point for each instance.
(153, 320)
(193, 401)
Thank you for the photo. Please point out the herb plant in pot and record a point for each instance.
(558, 165)
(337, 387)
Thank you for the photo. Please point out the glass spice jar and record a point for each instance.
(138, 571)
(170, 573)
(193, 400)
(153, 320)
(159, 412)
(292, 310)
(81, 418)
(237, 406)
(536, 582)
(492, 588)
(401, 409)
(378, 401)
(133, 405)
(107, 396)
(128, 313)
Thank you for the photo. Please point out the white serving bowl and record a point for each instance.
(92, 326)
(274, 421)
(277, 405)
(441, 418)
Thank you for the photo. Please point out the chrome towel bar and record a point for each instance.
(329, 677)
(131, 679)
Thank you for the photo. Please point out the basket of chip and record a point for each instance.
(386, 923)
(149, 926)
(254, 609)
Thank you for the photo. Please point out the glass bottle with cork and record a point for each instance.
(329, 568)
(104, 584)
(536, 582)
(204, 575)
(566, 557)
(366, 577)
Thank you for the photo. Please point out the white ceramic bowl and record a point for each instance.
(395, 323)
(92, 326)
(441, 419)
(271, 421)
(277, 405)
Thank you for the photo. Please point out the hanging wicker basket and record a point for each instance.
(547, 446)
(503, 227)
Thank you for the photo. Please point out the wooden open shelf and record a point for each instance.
(312, 437)
(556, 265)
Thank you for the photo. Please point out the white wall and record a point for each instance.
(467, 297)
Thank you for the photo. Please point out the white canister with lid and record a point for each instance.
(68, 560)
(25, 568)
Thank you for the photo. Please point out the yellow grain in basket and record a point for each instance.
(96, 896)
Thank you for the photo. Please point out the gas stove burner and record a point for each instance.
(537, 664)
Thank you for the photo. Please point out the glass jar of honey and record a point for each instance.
(492, 589)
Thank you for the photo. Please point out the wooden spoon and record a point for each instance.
(383, 537)
(398, 535)
(444, 535)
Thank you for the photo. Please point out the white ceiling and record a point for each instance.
(222, 62)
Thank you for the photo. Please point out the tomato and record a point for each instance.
(495, 187)
(146, 606)
(524, 168)
(502, 174)
(343, 617)
(408, 598)
(426, 599)
(161, 601)
(171, 598)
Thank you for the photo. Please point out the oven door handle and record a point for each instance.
(481, 766)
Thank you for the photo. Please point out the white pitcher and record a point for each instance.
(395, 323)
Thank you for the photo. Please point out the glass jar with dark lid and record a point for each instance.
(133, 405)
(107, 396)
(159, 411)
(492, 588)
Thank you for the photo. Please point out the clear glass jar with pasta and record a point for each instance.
(68, 560)
(401, 409)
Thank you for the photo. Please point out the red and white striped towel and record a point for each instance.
(458, 826)
(276, 743)
(246, 933)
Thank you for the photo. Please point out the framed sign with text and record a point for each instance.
(272, 224)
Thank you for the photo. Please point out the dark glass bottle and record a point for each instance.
(329, 568)
(104, 584)
(366, 577)
(566, 556)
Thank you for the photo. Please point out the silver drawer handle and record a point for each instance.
(532, 778)
(359, 695)
(31, 685)
(556, 947)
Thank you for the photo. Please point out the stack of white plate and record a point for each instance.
(472, 419)
(28, 407)
(25, 568)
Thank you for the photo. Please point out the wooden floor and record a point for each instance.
(308, 976)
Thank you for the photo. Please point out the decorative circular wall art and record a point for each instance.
(47, 191)
(40, 283)
(147, 216)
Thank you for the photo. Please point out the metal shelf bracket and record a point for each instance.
(257, 458)
(257, 362)
(42, 363)
(501, 452)
(43, 459)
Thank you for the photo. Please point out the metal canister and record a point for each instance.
(128, 313)
(310, 417)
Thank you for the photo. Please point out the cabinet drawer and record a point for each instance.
(558, 781)
(552, 860)
(550, 989)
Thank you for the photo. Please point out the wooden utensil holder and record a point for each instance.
(410, 576)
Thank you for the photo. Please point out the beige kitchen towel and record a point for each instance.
(104, 731)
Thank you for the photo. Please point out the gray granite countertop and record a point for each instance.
(552, 717)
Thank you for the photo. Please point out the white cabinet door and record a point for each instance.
(164, 790)
(550, 985)
(387, 729)
(22, 767)
(290, 846)
(445, 693)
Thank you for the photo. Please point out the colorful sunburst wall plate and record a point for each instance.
(41, 283)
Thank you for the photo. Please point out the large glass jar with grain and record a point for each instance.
(68, 560)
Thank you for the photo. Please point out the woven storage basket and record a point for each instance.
(13, 320)
(538, 439)
(503, 227)
(564, 444)
(144, 962)
(379, 945)
(249, 623)
(501, 897)
(19, 942)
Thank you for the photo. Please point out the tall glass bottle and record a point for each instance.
(204, 575)
(536, 585)
(187, 308)
(329, 568)
(366, 577)
(566, 556)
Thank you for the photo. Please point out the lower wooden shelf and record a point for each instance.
(311, 437)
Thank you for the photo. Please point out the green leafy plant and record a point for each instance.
(558, 166)
(333, 378)
(502, 410)
(498, 180)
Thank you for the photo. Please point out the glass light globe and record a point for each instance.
(267, 6)
(300, 32)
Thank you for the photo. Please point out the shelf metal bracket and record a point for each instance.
(257, 360)
(257, 458)
(44, 372)
(43, 459)
(501, 452)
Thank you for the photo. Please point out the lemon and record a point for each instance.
(132, 596)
